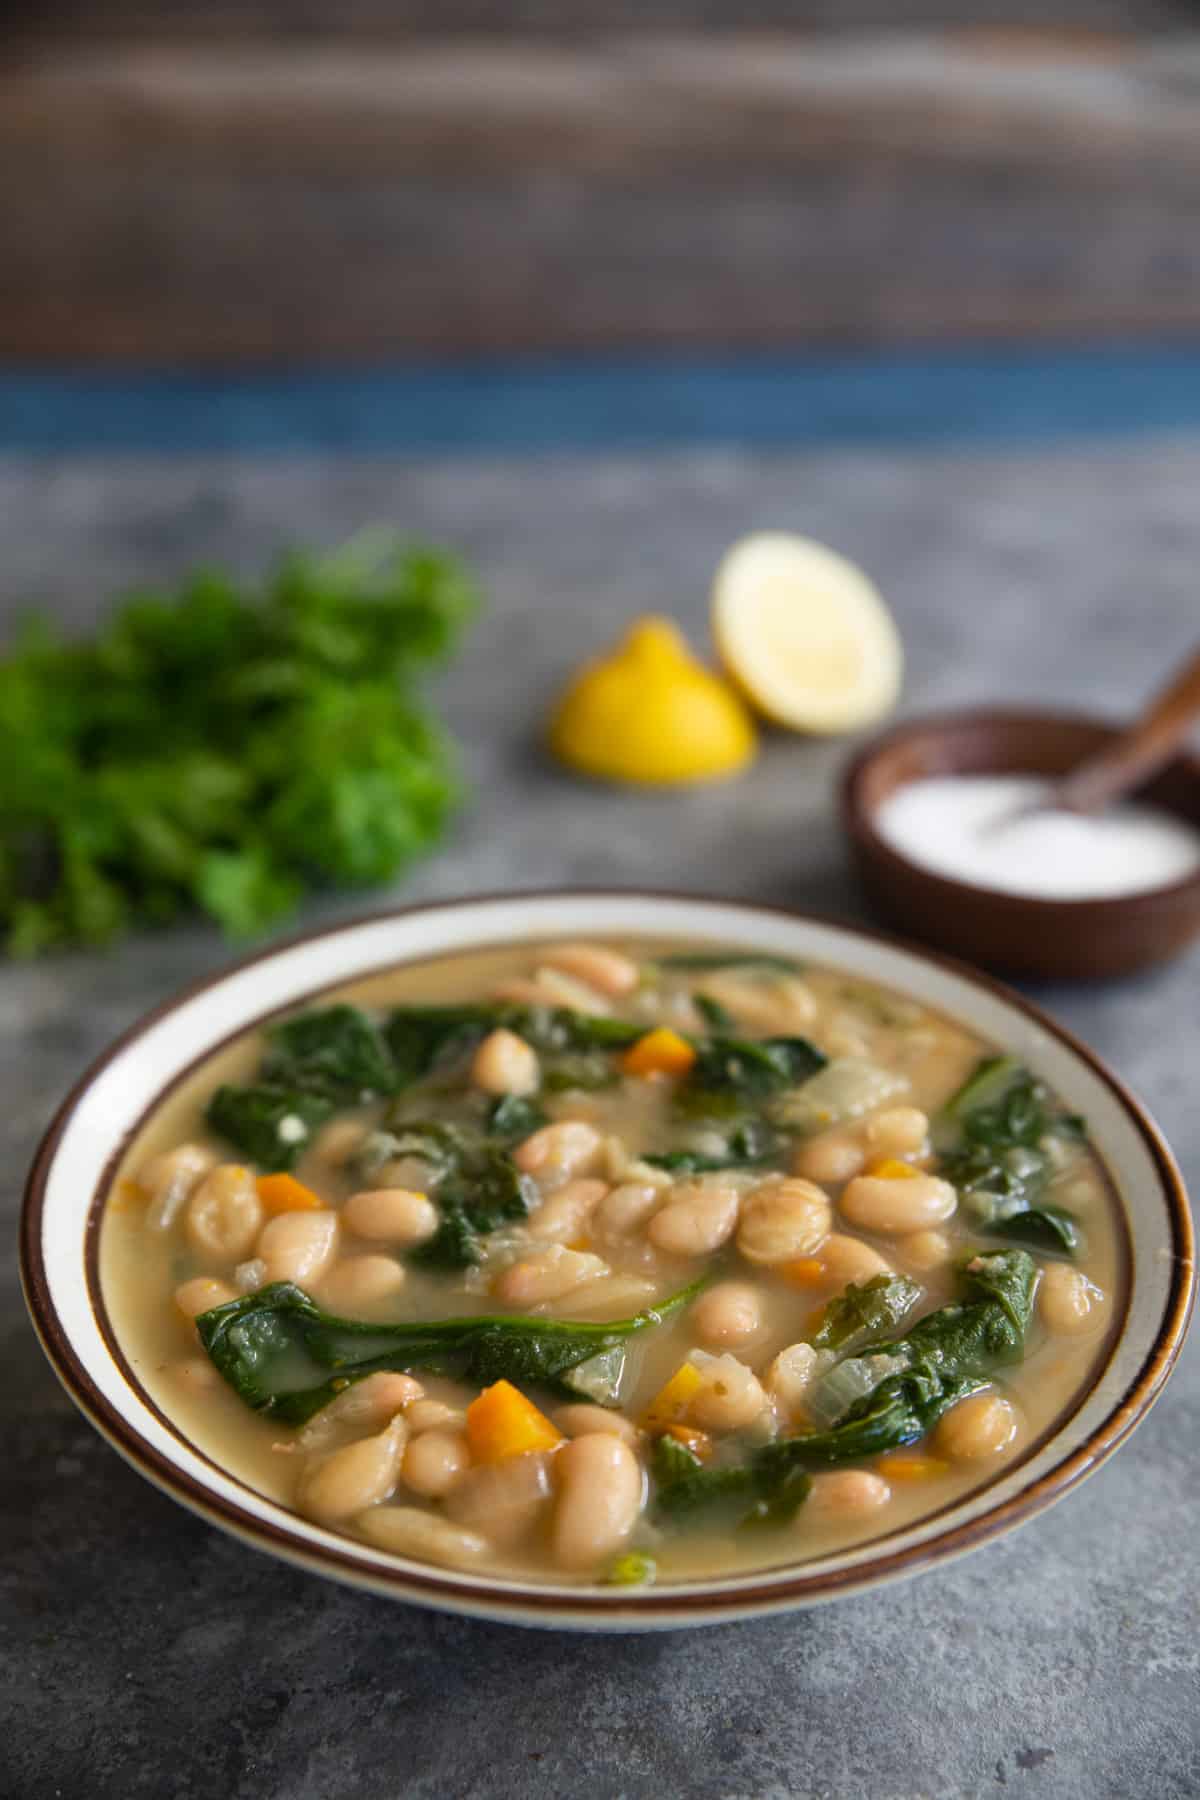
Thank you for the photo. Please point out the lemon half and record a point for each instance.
(805, 634)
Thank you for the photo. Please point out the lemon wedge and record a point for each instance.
(648, 711)
(804, 634)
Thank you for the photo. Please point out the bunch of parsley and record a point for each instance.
(225, 748)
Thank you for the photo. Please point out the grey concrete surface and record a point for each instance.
(144, 1655)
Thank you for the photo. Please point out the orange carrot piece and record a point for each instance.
(502, 1422)
(659, 1052)
(890, 1168)
(284, 1194)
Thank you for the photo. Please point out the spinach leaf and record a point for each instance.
(1041, 1228)
(271, 1126)
(422, 1038)
(729, 959)
(473, 1181)
(514, 1117)
(995, 1126)
(865, 1310)
(285, 1357)
(748, 1144)
(760, 1493)
(336, 1050)
(752, 1067)
(948, 1352)
(718, 1017)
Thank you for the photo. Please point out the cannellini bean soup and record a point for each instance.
(612, 1263)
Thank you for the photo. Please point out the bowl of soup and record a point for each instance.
(607, 1260)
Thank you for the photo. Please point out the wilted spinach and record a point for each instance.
(992, 1133)
(314, 1062)
(948, 1353)
(760, 1494)
(285, 1357)
(865, 1311)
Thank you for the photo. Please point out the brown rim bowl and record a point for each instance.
(79, 1158)
(1071, 940)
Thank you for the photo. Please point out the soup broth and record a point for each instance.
(776, 1261)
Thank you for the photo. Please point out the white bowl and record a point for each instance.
(80, 1152)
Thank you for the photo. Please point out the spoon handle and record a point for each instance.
(1138, 753)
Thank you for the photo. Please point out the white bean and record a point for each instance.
(556, 1152)
(607, 971)
(924, 1250)
(783, 1219)
(846, 1494)
(168, 1179)
(729, 1313)
(298, 1246)
(564, 1214)
(625, 1210)
(224, 1214)
(355, 1477)
(507, 1499)
(391, 1216)
(897, 1131)
(834, 1156)
(433, 1415)
(898, 1205)
(364, 1406)
(561, 989)
(608, 1297)
(578, 1419)
(601, 1488)
(977, 1428)
(729, 1397)
(548, 1275)
(201, 1294)
(1067, 1300)
(408, 1531)
(848, 1259)
(362, 1280)
(433, 1462)
(196, 1374)
(505, 1064)
(696, 1220)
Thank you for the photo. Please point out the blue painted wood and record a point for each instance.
(617, 403)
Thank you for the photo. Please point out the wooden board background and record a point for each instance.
(197, 196)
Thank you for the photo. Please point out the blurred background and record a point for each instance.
(203, 182)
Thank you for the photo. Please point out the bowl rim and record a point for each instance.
(859, 819)
(649, 1608)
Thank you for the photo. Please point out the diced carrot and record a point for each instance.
(660, 1052)
(284, 1194)
(583, 1244)
(910, 1465)
(890, 1168)
(805, 1271)
(502, 1422)
(671, 1402)
(693, 1439)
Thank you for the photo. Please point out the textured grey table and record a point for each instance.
(144, 1654)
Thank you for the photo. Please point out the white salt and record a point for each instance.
(961, 826)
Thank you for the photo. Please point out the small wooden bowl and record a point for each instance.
(1079, 940)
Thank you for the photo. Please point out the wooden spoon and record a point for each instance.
(1138, 753)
